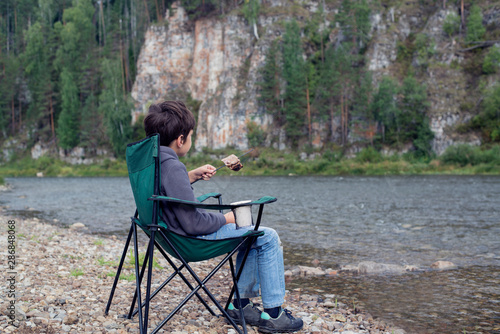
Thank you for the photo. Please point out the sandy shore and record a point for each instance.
(61, 280)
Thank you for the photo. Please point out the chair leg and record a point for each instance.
(177, 271)
(240, 270)
(118, 272)
(181, 275)
(131, 312)
(235, 286)
(201, 285)
(148, 285)
(138, 283)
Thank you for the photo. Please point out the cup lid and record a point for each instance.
(241, 202)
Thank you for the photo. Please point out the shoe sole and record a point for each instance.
(238, 322)
(273, 330)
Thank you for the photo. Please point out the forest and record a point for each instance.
(67, 70)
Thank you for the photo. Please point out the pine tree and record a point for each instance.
(251, 10)
(68, 122)
(362, 115)
(38, 68)
(9, 95)
(451, 24)
(270, 93)
(491, 62)
(414, 123)
(77, 41)
(354, 20)
(115, 107)
(475, 27)
(73, 60)
(294, 74)
(326, 100)
(384, 107)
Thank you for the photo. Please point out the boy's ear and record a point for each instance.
(180, 140)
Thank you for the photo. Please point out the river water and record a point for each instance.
(403, 220)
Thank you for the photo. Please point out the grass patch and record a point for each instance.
(367, 162)
(53, 167)
(141, 260)
(129, 277)
(102, 262)
(459, 159)
(98, 242)
(77, 272)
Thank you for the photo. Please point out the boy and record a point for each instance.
(264, 268)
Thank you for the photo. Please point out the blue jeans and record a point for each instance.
(264, 267)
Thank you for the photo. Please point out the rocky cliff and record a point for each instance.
(217, 60)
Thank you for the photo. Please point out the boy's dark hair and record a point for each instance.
(170, 119)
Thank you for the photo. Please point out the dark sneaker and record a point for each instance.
(284, 323)
(250, 312)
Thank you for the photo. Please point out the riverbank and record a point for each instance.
(62, 279)
(457, 160)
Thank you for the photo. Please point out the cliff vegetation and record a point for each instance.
(396, 81)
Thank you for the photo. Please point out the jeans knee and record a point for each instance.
(271, 236)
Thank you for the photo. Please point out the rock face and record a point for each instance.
(214, 61)
(217, 60)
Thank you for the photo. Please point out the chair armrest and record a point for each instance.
(206, 196)
(260, 201)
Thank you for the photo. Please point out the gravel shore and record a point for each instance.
(61, 280)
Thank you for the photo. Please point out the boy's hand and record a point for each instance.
(204, 172)
(230, 218)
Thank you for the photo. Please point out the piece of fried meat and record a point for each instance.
(232, 162)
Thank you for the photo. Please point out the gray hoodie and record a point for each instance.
(175, 183)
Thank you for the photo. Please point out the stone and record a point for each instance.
(77, 226)
(70, 320)
(339, 318)
(442, 265)
(310, 271)
(370, 267)
(17, 312)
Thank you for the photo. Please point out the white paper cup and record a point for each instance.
(243, 214)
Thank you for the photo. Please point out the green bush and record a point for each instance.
(369, 154)
(255, 135)
(465, 154)
(451, 24)
(475, 27)
(492, 156)
(425, 48)
(461, 155)
(488, 120)
(491, 62)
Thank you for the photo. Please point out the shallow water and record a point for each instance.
(414, 220)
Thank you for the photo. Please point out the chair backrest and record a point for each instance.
(143, 163)
(143, 171)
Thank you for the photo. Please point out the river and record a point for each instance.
(403, 220)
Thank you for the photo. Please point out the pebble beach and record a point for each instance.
(59, 280)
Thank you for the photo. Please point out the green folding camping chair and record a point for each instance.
(144, 174)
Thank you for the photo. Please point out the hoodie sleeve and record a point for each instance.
(193, 221)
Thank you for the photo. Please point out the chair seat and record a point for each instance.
(194, 249)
